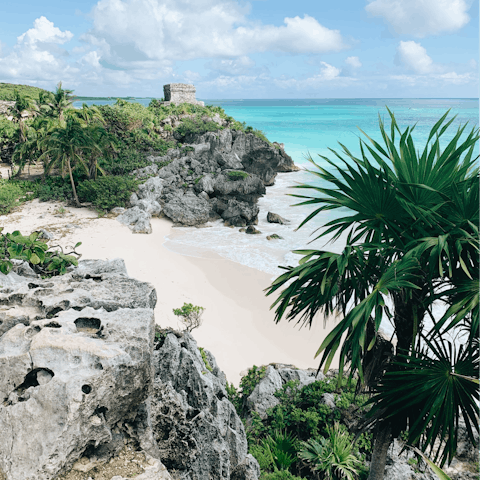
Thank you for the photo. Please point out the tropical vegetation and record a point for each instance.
(409, 218)
(281, 441)
(80, 148)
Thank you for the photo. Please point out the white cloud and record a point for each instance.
(353, 62)
(37, 54)
(127, 30)
(421, 17)
(44, 31)
(413, 56)
(232, 66)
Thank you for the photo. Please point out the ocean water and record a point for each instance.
(306, 127)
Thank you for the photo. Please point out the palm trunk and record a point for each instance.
(383, 439)
(73, 183)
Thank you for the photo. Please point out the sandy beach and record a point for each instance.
(238, 326)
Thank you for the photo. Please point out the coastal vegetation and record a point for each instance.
(7, 91)
(190, 315)
(302, 434)
(88, 154)
(44, 260)
(411, 242)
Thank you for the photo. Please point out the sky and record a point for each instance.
(231, 49)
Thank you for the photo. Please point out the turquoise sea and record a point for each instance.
(306, 126)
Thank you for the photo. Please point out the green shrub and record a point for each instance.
(237, 175)
(10, 195)
(107, 192)
(247, 385)
(127, 160)
(279, 475)
(205, 359)
(333, 456)
(275, 452)
(190, 315)
(196, 126)
(168, 128)
(45, 261)
(53, 189)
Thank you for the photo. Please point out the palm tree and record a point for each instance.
(412, 240)
(20, 110)
(61, 101)
(66, 147)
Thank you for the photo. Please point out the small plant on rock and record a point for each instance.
(190, 315)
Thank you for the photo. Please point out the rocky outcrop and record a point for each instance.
(216, 175)
(276, 218)
(198, 431)
(76, 363)
(263, 396)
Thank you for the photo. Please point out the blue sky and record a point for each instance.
(235, 49)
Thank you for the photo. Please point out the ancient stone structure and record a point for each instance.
(180, 93)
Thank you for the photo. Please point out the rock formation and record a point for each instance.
(262, 398)
(217, 175)
(75, 357)
(82, 384)
(198, 431)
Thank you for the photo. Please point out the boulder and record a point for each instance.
(188, 209)
(197, 429)
(275, 218)
(236, 212)
(262, 398)
(251, 230)
(76, 371)
(137, 220)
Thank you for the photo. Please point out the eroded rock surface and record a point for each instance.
(76, 363)
(198, 431)
(218, 175)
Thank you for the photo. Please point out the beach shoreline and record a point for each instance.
(238, 326)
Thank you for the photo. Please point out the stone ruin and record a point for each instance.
(180, 93)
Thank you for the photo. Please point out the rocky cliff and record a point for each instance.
(215, 175)
(83, 384)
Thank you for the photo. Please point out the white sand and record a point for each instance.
(238, 327)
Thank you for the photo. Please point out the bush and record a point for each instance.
(275, 452)
(107, 192)
(126, 161)
(53, 189)
(10, 195)
(196, 126)
(190, 315)
(279, 475)
(247, 385)
(45, 261)
(332, 456)
(237, 175)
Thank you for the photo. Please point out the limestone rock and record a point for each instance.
(275, 218)
(236, 212)
(77, 366)
(197, 429)
(188, 209)
(263, 396)
(137, 220)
